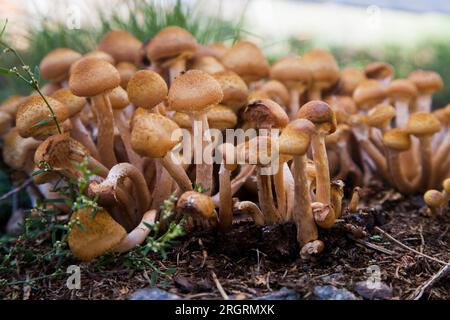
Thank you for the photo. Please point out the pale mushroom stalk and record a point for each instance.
(124, 130)
(395, 168)
(290, 192)
(423, 102)
(177, 173)
(80, 133)
(322, 172)
(225, 208)
(252, 209)
(163, 189)
(279, 183)
(295, 102)
(204, 170)
(138, 234)
(265, 198)
(176, 68)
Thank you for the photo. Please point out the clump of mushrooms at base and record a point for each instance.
(159, 130)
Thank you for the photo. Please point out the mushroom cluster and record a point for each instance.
(328, 126)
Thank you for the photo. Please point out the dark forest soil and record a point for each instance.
(251, 262)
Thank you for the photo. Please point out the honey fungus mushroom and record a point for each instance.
(95, 78)
(199, 208)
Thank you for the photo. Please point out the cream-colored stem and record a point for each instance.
(204, 170)
(347, 165)
(302, 215)
(163, 187)
(290, 192)
(424, 102)
(80, 133)
(295, 102)
(398, 178)
(105, 123)
(176, 68)
(322, 172)
(124, 130)
(177, 172)
(402, 113)
(439, 158)
(265, 198)
(280, 191)
(315, 93)
(225, 208)
(138, 235)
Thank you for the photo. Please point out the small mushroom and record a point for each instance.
(34, 118)
(380, 71)
(402, 92)
(235, 91)
(55, 66)
(95, 78)
(221, 117)
(276, 92)
(199, 208)
(427, 83)
(208, 64)
(194, 92)
(324, 71)
(247, 60)
(170, 48)
(126, 71)
(121, 45)
(435, 201)
(349, 80)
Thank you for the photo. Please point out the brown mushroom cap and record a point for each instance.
(17, 150)
(146, 89)
(33, 113)
(73, 103)
(196, 204)
(247, 60)
(11, 104)
(56, 64)
(126, 71)
(91, 77)
(426, 82)
(221, 117)
(194, 91)
(217, 49)
(296, 137)
(381, 115)
(276, 91)
(171, 42)
(121, 45)
(319, 113)
(397, 139)
(266, 113)
(446, 185)
(182, 120)
(401, 89)
(292, 71)
(323, 66)
(102, 55)
(369, 93)
(434, 198)
(350, 79)
(119, 98)
(208, 64)
(151, 135)
(379, 70)
(423, 124)
(235, 90)
(98, 234)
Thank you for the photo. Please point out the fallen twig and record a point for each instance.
(433, 280)
(409, 248)
(17, 189)
(373, 246)
(219, 286)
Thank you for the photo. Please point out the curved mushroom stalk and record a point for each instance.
(251, 209)
(354, 200)
(138, 234)
(82, 134)
(323, 214)
(237, 182)
(117, 201)
(163, 186)
(122, 171)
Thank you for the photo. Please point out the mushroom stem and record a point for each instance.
(290, 192)
(423, 103)
(315, 93)
(302, 214)
(354, 200)
(402, 113)
(322, 172)
(439, 158)
(105, 138)
(80, 133)
(124, 130)
(252, 209)
(426, 163)
(204, 170)
(280, 191)
(265, 198)
(163, 187)
(138, 235)
(394, 165)
(377, 157)
(225, 208)
(294, 103)
(177, 173)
